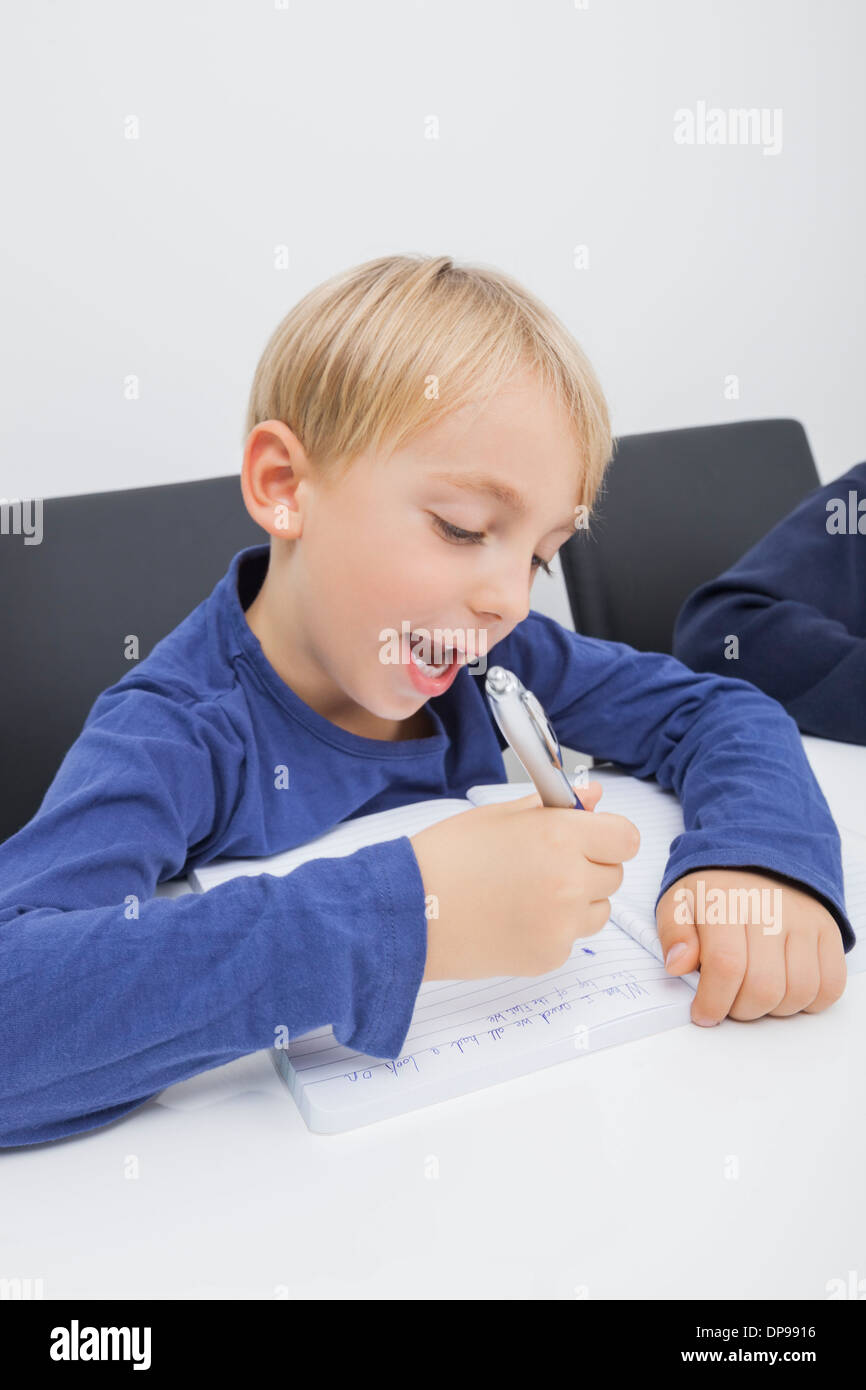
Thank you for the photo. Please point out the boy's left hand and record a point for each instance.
(747, 971)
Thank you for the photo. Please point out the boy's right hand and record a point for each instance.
(516, 882)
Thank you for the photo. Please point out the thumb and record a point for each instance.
(680, 942)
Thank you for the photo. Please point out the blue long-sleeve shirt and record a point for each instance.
(796, 602)
(109, 994)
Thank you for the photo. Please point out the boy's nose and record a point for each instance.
(501, 611)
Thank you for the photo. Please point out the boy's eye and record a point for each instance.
(456, 533)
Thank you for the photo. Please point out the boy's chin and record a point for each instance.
(385, 707)
(393, 704)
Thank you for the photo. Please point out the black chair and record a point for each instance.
(678, 507)
(109, 564)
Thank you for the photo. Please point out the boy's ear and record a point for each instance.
(274, 466)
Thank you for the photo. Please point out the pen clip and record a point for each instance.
(542, 725)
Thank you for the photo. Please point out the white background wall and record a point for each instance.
(304, 127)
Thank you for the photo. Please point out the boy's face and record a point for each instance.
(367, 556)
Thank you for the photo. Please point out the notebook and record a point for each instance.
(469, 1034)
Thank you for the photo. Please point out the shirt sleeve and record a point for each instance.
(108, 994)
(796, 603)
(731, 754)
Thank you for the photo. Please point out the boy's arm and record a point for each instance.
(796, 603)
(731, 754)
(108, 995)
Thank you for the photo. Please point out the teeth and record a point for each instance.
(451, 652)
(426, 668)
(430, 670)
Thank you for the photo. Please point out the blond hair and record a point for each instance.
(378, 353)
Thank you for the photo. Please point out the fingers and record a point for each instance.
(724, 958)
(834, 970)
(745, 975)
(765, 984)
(678, 935)
(608, 839)
(603, 880)
(602, 837)
(595, 917)
(747, 970)
(803, 974)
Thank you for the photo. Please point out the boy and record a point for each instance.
(790, 615)
(420, 438)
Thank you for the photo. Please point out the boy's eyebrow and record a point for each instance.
(494, 487)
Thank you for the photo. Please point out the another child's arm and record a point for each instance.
(790, 615)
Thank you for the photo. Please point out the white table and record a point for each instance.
(697, 1163)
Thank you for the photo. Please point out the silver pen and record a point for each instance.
(527, 728)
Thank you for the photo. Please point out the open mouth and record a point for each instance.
(455, 656)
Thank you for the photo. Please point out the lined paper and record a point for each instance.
(473, 1033)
